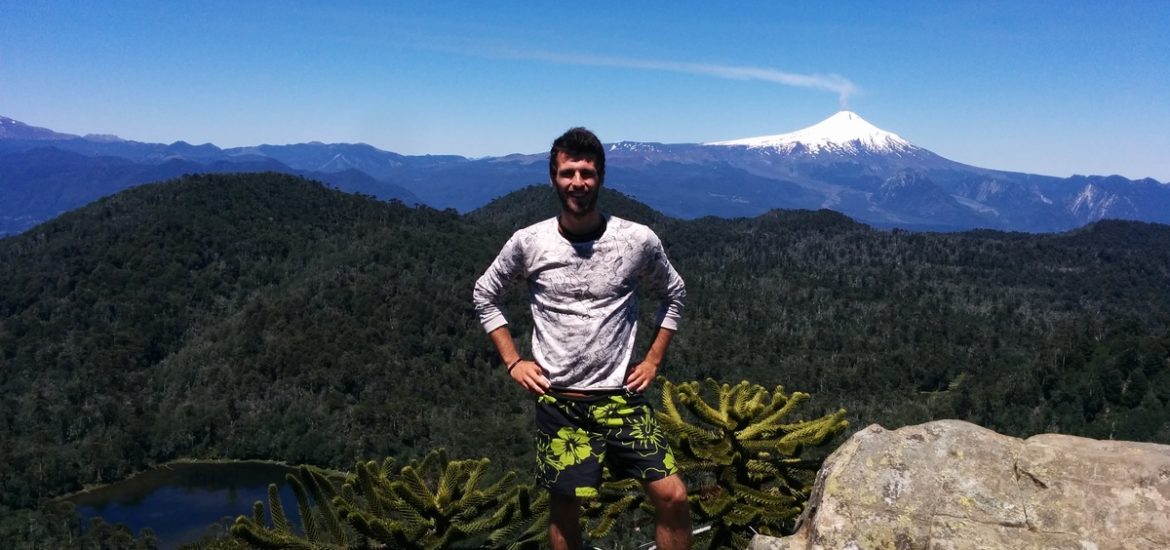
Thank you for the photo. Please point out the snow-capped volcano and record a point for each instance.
(844, 132)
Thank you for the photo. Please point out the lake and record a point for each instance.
(180, 501)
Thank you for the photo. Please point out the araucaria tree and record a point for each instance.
(429, 504)
(749, 464)
(747, 461)
(314, 491)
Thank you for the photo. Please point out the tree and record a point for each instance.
(746, 459)
(429, 504)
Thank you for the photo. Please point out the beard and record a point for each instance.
(578, 206)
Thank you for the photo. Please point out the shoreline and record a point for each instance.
(168, 466)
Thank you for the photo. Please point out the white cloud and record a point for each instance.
(838, 84)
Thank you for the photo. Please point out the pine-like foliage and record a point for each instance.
(440, 503)
(746, 460)
(428, 504)
(614, 499)
(322, 529)
(743, 455)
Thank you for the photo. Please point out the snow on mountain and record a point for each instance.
(1094, 203)
(635, 147)
(844, 132)
(338, 163)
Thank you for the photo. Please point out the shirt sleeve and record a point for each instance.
(506, 270)
(663, 282)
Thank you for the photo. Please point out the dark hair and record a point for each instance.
(578, 143)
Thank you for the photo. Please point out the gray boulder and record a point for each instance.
(954, 485)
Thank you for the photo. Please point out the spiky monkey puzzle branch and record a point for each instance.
(745, 457)
(429, 504)
(743, 454)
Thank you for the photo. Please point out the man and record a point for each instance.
(583, 270)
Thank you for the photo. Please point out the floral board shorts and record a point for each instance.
(575, 437)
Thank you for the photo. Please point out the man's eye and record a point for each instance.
(585, 174)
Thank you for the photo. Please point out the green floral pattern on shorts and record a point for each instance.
(646, 433)
(571, 446)
(575, 444)
(611, 413)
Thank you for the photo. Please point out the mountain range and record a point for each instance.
(843, 163)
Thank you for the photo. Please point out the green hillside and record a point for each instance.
(264, 316)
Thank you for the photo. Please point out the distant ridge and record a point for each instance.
(842, 163)
(15, 129)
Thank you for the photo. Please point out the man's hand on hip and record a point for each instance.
(641, 376)
(530, 376)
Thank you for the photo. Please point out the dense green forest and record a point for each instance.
(264, 316)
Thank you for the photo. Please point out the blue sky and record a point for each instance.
(1055, 87)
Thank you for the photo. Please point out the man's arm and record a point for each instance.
(507, 269)
(664, 283)
(643, 373)
(528, 374)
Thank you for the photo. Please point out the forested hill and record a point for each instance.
(264, 316)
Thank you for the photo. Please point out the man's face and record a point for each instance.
(577, 184)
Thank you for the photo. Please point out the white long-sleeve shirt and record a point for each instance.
(583, 297)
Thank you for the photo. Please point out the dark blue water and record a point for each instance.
(180, 502)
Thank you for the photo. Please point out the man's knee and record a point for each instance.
(668, 493)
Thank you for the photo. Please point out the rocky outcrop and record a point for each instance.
(957, 486)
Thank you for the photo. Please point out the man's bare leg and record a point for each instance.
(672, 513)
(564, 522)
